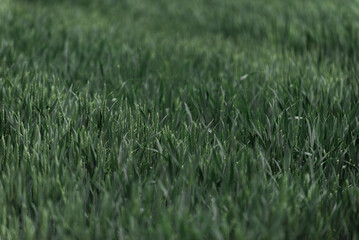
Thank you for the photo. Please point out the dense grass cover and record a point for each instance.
(191, 119)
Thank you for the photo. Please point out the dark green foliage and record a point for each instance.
(217, 119)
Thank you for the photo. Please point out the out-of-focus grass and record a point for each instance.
(179, 119)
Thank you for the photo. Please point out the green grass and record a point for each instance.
(155, 119)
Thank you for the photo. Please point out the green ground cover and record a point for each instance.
(192, 119)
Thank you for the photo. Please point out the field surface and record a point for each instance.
(191, 119)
